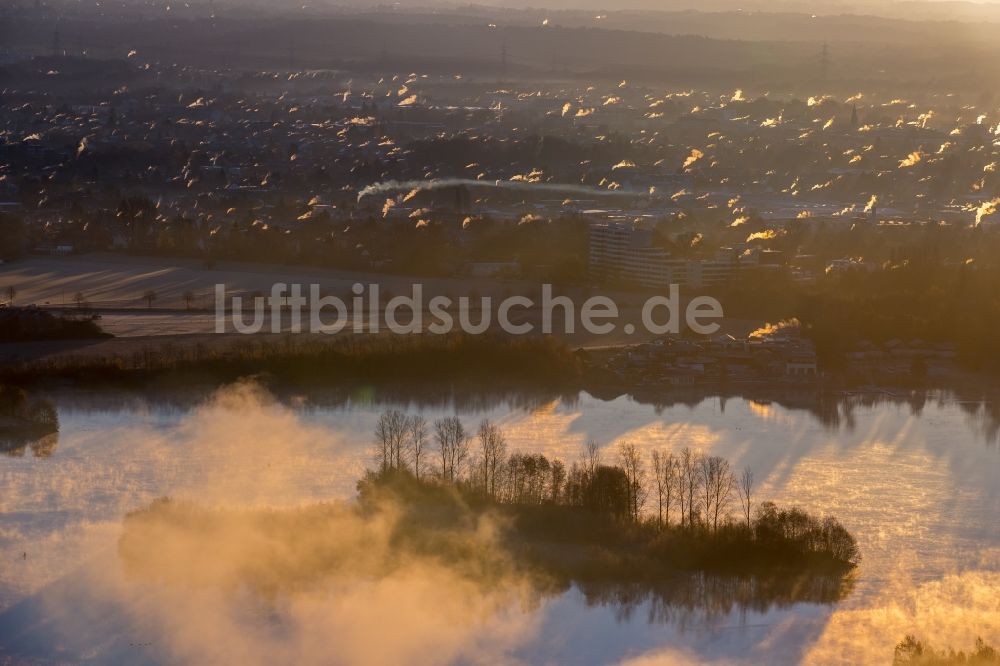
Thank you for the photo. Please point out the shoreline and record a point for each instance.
(151, 358)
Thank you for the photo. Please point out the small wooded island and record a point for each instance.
(445, 498)
(590, 520)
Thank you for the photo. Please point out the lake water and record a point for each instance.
(915, 480)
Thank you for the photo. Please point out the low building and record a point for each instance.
(801, 365)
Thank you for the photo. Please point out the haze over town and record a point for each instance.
(197, 467)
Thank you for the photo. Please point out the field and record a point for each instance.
(114, 287)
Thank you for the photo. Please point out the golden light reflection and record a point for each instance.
(916, 488)
(952, 611)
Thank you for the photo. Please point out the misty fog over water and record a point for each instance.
(917, 485)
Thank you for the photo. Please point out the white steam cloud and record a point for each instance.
(239, 571)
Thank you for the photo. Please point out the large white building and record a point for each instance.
(621, 252)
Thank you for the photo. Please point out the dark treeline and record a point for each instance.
(912, 652)
(629, 516)
(32, 324)
(908, 300)
(308, 361)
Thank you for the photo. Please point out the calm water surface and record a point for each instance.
(917, 481)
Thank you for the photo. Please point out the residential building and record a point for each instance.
(621, 252)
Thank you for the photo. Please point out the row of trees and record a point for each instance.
(699, 488)
(447, 450)
(690, 488)
(694, 495)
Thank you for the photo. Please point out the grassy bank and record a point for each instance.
(307, 361)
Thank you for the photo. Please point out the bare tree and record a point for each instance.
(461, 453)
(725, 487)
(11, 294)
(717, 485)
(557, 478)
(391, 432)
(690, 482)
(635, 472)
(665, 471)
(382, 453)
(681, 486)
(80, 300)
(706, 472)
(453, 446)
(591, 458)
(417, 442)
(493, 450)
(746, 492)
(658, 462)
(442, 437)
(149, 296)
(671, 467)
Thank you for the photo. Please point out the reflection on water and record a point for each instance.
(17, 445)
(692, 600)
(836, 411)
(914, 476)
